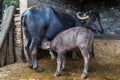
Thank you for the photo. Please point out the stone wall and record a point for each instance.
(17, 37)
(109, 13)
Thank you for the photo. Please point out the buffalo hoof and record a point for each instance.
(24, 60)
(56, 74)
(37, 69)
(75, 57)
(30, 66)
(83, 76)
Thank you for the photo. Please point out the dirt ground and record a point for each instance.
(104, 66)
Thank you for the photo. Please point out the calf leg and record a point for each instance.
(28, 42)
(59, 57)
(33, 49)
(63, 61)
(86, 56)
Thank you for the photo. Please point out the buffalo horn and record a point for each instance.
(81, 17)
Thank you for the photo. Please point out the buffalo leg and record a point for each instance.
(86, 56)
(59, 57)
(74, 54)
(92, 49)
(33, 49)
(52, 55)
(28, 42)
(23, 55)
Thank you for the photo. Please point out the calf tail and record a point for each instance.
(22, 47)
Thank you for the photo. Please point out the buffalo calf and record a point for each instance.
(76, 37)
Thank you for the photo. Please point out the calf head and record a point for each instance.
(45, 44)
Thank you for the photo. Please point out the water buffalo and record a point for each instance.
(76, 37)
(45, 22)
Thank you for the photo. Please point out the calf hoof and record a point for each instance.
(37, 69)
(24, 60)
(56, 74)
(83, 76)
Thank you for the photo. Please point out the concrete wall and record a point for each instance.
(23, 5)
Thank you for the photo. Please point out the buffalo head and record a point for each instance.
(91, 17)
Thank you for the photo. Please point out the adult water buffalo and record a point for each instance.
(45, 22)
